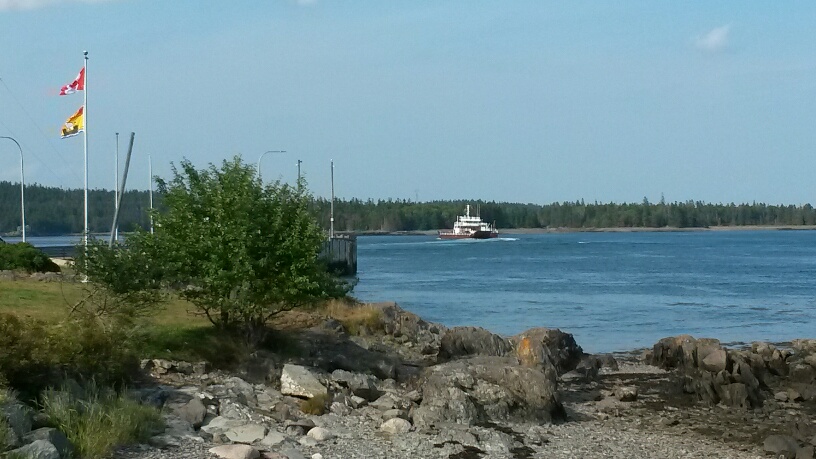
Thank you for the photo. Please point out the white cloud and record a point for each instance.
(714, 40)
(6, 5)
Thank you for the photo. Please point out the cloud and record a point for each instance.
(6, 5)
(714, 40)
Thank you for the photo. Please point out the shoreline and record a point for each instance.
(665, 229)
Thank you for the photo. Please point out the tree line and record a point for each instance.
(51, 211)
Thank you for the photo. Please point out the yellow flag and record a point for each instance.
(75, 124)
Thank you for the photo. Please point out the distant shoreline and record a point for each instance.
(665, 229)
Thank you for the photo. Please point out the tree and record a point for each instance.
(242, 251)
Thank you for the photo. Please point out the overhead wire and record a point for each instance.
(45, 137)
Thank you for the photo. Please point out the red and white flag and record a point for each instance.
(77, 85)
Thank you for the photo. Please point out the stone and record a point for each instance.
(675, 352)
(395, 426)
(359, 384)
(193, 412)
(301, 382)
(235, 452)
(18, 417)
(805, 452)
(487, 389)
(317, 456)
(339, 409)
(307, 441)
(626, 394)
(384, 403)
(243, 390)
(561, 349)
(735, 395)
(781, 396)
(395, 413)
(320, 434)
(272, 439)
(39, 449)
(470, 341)
(781, 445)
(715, 361)
(292, 453)
(164, 441)
(358, 402)
(247, 433)
(221, 424)
(53, 436)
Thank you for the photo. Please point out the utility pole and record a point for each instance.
(331, 231)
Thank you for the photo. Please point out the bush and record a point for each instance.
(315, 405)
(26, 257)
(98, 419)
(36, 356)
(357, 319)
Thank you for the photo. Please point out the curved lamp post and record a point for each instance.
(22, 185)
(264, 154)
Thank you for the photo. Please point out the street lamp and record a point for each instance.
(264, 154)
(22, 185)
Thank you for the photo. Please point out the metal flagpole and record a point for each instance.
(85, 122)
(150, 173)
(116, 190)
(331, 232)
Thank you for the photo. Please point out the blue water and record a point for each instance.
(612, 291)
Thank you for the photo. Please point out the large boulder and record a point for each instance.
(548, 344)
(301, 382)
(399, 322)
(483, 389)
(470, 341)
(674, 352)
(39, 449)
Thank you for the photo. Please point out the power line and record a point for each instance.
(42, 133)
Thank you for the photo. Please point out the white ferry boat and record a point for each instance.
(469, 227)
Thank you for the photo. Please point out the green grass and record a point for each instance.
(99, 419)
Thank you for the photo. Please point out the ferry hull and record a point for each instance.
(474, 235)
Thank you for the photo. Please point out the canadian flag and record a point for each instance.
(77, 85)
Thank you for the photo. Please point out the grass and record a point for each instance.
(315, 405)
(355, 317)
(99, 419)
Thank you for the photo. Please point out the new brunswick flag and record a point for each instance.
(75, 124)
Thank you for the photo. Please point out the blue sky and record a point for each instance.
(527, 101)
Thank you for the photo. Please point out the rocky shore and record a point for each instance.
(406, 388)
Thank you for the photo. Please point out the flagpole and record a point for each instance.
(150, 173)
(85, 121)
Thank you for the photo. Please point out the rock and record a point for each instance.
(339, 409)
(358, 402)
(715, 361)
(247, 433)
(384, 403)
(805, 452)
(39, 449)
(272, 439)
(359, 384)
(53, 436)
(481, 389)
(781, 396)
(235, 452)
(781, 445)
(734, 395)
(292, 453)
(561, 348)
(317, 456)
(193, 412)
(395, 413)
(164, 441)
(675, 352)
(803, 373)
(626, 394)
(243, 390)
(308, 442)
(320, 434)
(395, 426)
(18, 417)
(469, 341)
(301, 382)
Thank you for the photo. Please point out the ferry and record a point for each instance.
(469, 227)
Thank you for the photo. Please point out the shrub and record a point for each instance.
(98, 419)
(315, 405)
(26, 257)
(35, 356)
(25, 360)
(357, 319)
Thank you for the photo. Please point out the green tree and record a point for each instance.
(242, 251)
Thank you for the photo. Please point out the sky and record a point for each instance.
(520, 101)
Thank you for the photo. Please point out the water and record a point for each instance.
(612, 291)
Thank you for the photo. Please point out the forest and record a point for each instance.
(55, 211)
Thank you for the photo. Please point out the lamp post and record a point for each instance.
(264, 154)
(22, 185)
